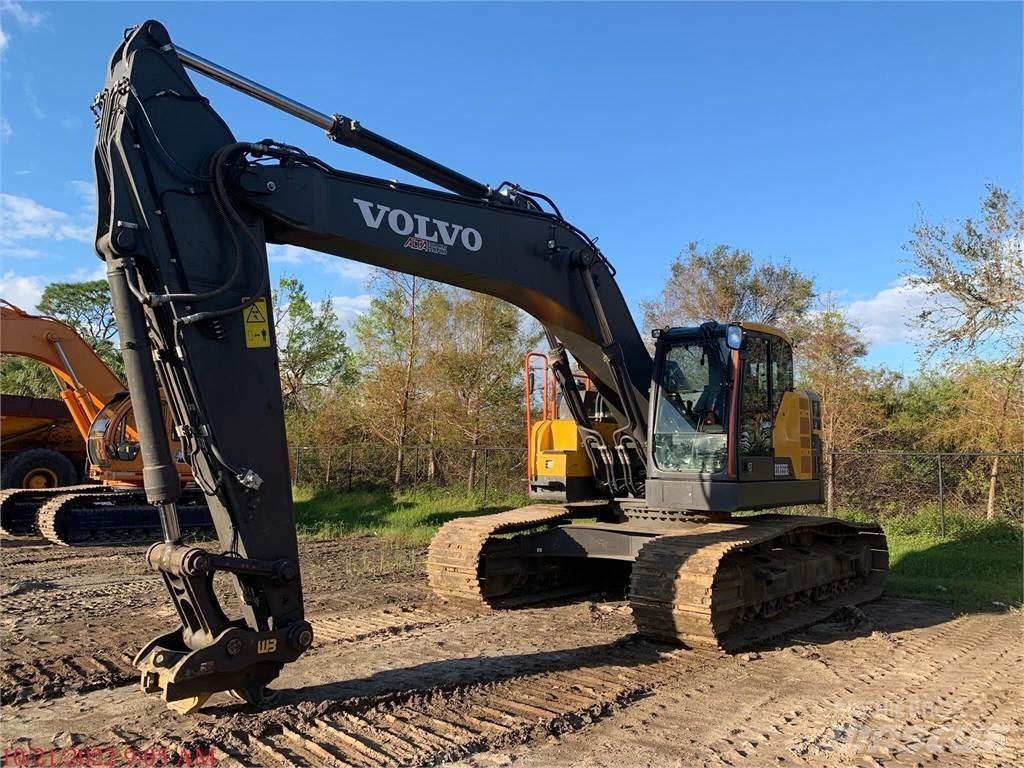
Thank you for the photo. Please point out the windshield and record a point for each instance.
(94, 445)
(689, 432)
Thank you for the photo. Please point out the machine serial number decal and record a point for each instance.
(257, 329)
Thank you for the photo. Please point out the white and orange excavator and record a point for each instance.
(112, 508)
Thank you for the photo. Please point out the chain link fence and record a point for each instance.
(875, 483)
(370, 466)
(882, 483)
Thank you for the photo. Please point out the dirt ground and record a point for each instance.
(397, 679)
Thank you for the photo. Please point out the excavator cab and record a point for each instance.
(113, 444)
(691, 411)
(112, 435)
(729, 429)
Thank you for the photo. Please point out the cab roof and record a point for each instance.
(769, 330)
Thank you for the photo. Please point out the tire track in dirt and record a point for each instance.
(427, 726)
(48, 677)
(48, 601)
(949, 692)
(486, 652)
(891, 707)
(939, 711)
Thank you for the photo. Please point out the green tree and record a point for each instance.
(26, 377)
(476, 347)
(830, 362)
(87, 308)
(973, 270)
(391, 354)
(313, 354)
(723, 283)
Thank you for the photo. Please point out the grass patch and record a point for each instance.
(411, 516)
(979, 562)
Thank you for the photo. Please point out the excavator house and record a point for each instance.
(640, 480)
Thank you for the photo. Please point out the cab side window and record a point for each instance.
(782, 371)
(755, 422)
(755, 379)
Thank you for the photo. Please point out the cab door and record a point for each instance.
(756, 458)
(767, 376)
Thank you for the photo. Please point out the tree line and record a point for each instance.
(436, 366)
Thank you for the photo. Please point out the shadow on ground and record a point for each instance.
(888, 615)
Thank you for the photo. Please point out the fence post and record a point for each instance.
(830, 489)
(327, 479)
(298, 463)
(486, 451)
(350, 466)
(942, 503)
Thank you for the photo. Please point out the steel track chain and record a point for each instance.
(679, 591)
(56, 519)
(453, 559)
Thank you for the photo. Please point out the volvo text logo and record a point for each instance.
(423, 232)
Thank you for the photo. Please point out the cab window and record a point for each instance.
(782, 371)
(755, 377)
(755, 424)
(689, 431)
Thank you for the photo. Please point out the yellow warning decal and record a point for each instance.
(257, 329)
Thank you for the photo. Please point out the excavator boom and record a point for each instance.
(86, 382)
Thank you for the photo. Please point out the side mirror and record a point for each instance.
(734, 337)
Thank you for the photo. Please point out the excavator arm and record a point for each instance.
(185, 215)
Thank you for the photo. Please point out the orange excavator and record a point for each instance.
(114, 510)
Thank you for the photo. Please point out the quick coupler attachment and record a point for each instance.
(208, 653)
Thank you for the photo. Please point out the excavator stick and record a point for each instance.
(191, 300)
(185, 212)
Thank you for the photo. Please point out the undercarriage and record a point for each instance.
(87, 515)
(719, 585)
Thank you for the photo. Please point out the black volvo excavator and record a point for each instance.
(710, 426)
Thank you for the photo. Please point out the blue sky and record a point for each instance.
(804, 131)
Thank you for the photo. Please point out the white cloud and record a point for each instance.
(21, 14)
(22, 218)
(891, 315)
(87, 191)
(23, 291)
(293, 255)
(6, 132)
(348, 308)
(20, 252)
(96, 272)
(33, 100)
(24, 17)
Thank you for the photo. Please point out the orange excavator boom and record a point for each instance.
(87, 383)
